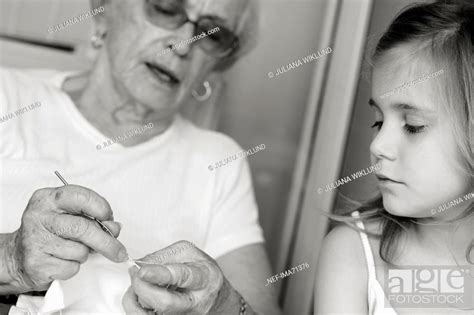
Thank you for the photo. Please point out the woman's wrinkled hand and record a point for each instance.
(54, 239)
(186, 280)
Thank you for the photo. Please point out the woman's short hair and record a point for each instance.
(247, 31)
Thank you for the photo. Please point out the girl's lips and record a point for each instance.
(384, 179)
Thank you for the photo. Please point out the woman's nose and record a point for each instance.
(384, 144)
(180, 40)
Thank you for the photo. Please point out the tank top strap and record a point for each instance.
(369, 257)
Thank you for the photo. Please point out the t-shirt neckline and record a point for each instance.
(94, 134)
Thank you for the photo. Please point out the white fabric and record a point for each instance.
(161, 190)
(376, 298)
(98, 287)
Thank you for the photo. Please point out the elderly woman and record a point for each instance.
(156, 181)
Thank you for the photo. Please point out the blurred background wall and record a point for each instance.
(257, 109)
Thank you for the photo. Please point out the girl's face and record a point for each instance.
(413, 143)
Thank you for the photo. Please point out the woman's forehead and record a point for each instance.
(229, 6)
(229, 10)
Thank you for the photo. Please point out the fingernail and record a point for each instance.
(123, 255)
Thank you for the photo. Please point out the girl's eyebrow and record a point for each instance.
(403, 106)
(372, 103)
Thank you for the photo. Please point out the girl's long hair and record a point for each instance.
(444, 32)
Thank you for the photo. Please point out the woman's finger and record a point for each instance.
(160, 299)
(59, 269)
(175, 253)
(130, 304)
(90, 233)
(77, 200)
(67, 250)
(188, 276)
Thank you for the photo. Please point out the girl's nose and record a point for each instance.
(383, 146)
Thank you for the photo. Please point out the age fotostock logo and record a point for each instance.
(429, 287)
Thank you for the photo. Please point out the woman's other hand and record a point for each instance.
(186, 280)
(54, 239)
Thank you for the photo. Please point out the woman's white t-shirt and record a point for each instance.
(161, 190)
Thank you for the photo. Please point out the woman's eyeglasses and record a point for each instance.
(170, 14)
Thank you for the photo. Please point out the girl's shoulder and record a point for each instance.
(373, 228)
(343, 245)
(341, 273)
(344, 241)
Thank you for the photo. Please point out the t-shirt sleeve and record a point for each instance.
(234, 221)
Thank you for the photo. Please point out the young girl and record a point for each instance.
(423, 140)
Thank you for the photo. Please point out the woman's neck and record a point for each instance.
(111, 111)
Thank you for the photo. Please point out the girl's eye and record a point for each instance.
(414, 129)
(377, 124)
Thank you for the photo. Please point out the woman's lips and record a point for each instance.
(163, 75)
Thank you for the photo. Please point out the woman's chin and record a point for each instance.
(147, 87)
(156, 100)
